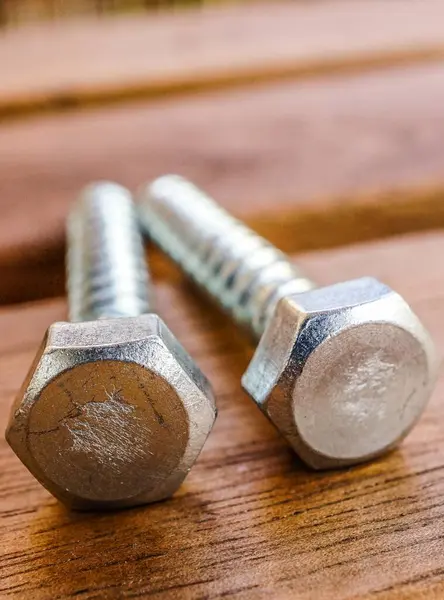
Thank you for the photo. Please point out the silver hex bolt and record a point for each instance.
(113, 412)
(343, 371)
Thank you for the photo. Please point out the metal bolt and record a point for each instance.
(343, 371)
(113, 412)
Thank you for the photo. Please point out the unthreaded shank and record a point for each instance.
(241, 270)
(107, 273)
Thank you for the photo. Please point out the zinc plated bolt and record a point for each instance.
(343, 371)
(113, 412)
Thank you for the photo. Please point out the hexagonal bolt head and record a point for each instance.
(112, 414)
(344, 372)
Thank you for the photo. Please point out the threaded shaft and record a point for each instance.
(241, 270)
(107, 273)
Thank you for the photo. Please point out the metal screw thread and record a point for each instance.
(107, 272)
(241, 270)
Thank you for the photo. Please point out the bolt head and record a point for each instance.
(112, 414)
(344, 372)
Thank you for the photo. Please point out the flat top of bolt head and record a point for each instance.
(351, 380)
(107, 430)
(109, 424)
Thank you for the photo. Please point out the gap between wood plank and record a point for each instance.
(38, 272)
(26, 105)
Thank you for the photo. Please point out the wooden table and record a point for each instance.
(343, 170)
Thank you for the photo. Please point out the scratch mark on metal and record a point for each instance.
(111, 431)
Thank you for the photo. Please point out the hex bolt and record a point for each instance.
(343, 371)
(113, 412)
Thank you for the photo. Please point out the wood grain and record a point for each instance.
(290, 147)
(250, 521)
(90, 61)
(312, 164)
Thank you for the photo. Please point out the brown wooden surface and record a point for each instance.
(283, 147)
(250, 521)
(315, 165)
(47, 66)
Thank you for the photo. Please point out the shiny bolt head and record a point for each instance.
(344, 372)
(112, 414)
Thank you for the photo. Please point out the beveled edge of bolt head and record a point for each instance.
(139, 344)
(330, 359)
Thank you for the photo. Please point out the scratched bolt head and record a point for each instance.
(113, 413)
(344, 372)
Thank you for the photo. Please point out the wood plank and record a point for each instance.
(112, 59)
(250, 522)
(304, 148)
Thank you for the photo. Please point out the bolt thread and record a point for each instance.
(241, 270)
(107, 272)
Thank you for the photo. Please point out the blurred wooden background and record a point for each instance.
(321, 124)
(14, 12)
